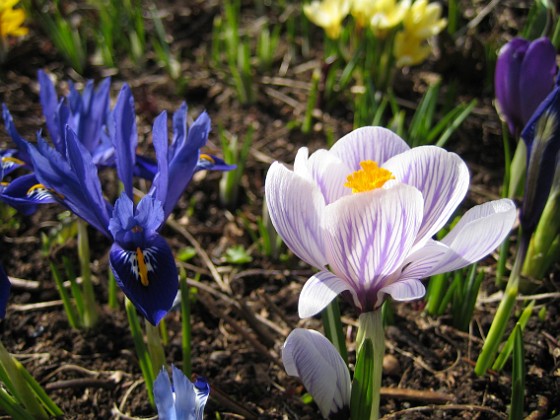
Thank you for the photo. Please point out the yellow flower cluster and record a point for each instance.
(420, 21)
(11, 19)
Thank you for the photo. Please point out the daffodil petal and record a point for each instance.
(368, 143)
(320, 290)
(442, 177)
(312, 358)
(295, 205)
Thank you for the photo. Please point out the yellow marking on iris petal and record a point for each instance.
(142, 269)
(370, 177)
(209, 158)
(4, 183)
(13, 160)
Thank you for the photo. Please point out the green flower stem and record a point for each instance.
(112, 291)
(517, 169)
(155, 347)
(141, 352)
(90, 308)
(185, 324)
(499, 324)
(333, 328)
(73, 318)
(370, 325)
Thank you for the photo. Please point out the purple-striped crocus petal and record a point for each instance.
(329, 173)
(184, 160)
(295, 205)
(319, 290)
(368, 235)
(537, 76)
(403, 290)
(76, 184)
(161, 145)
(442, 177)
(368, 143)
(125, 137)
(506, 81)
(421, 261)
(163, 396)
(20, 142)
(4, 291)
(312, 358)
(155, 299)
(479, 232)
(49, 103)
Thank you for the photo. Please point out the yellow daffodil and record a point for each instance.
(386, 15)
(328, 14)
(11, 19)
(410, 50)
(424, 20)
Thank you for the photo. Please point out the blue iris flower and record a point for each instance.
(4, 291)
(140, 258)
(181, 401)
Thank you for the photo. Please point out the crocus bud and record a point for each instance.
(524, 76)
(542, 137)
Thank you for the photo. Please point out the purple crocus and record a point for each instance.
(312, 358)
(140, 258)
(524, 76)
(542, 137)
(364, 214)
(183, 400)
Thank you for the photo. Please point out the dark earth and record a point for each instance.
(238, 328)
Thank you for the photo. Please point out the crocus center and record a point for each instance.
(370, 177)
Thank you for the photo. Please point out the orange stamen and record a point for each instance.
(370, 177)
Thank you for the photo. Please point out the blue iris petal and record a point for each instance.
(155, 299)
(4, 291)
(189, 400)
(25, 193)
(76, 181)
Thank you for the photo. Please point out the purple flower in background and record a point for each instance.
(365, 211)
(542, 137)
(4, 291)
(524, 76)
(312, 358)
(181, 401)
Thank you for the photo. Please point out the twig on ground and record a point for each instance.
(447, 407)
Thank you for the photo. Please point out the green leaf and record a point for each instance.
(238, 255)
(362, 384)
(517, 376)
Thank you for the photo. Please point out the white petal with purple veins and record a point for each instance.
(368, 143)
(442, 178)
(311, 357)
(319, 291)
(478, 233)
(295, 205)
(369, 234)
(403, 290)
(330, 174)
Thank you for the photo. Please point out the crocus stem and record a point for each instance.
(370, 325)
(517, 169)
(499, 324)
(90, 308)
(333, 328)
